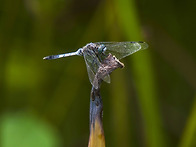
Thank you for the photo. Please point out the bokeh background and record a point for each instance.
(149, 103)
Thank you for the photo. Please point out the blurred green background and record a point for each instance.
(149, 103)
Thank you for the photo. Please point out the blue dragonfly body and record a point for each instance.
(94, 53)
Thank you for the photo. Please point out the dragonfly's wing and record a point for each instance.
(123, 49)
(92, 65)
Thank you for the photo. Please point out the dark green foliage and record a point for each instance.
(148, 103)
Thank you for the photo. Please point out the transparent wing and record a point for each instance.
(92, 65)
(123, 49)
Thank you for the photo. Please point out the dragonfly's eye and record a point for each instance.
(104, 49)
(101, 48)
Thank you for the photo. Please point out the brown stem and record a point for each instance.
(97, 138)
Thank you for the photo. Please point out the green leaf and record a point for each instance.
(25, 130)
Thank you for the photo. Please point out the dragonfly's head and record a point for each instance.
(101, 48)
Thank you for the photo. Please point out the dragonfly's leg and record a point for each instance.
(98, 56)
(104, 54)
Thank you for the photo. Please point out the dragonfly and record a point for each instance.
(95, 53)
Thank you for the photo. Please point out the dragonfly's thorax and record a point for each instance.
(97, 49)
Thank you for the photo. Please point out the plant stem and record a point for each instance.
(97, 138)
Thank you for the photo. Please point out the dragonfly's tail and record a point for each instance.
(78, 52)
(52, 57)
